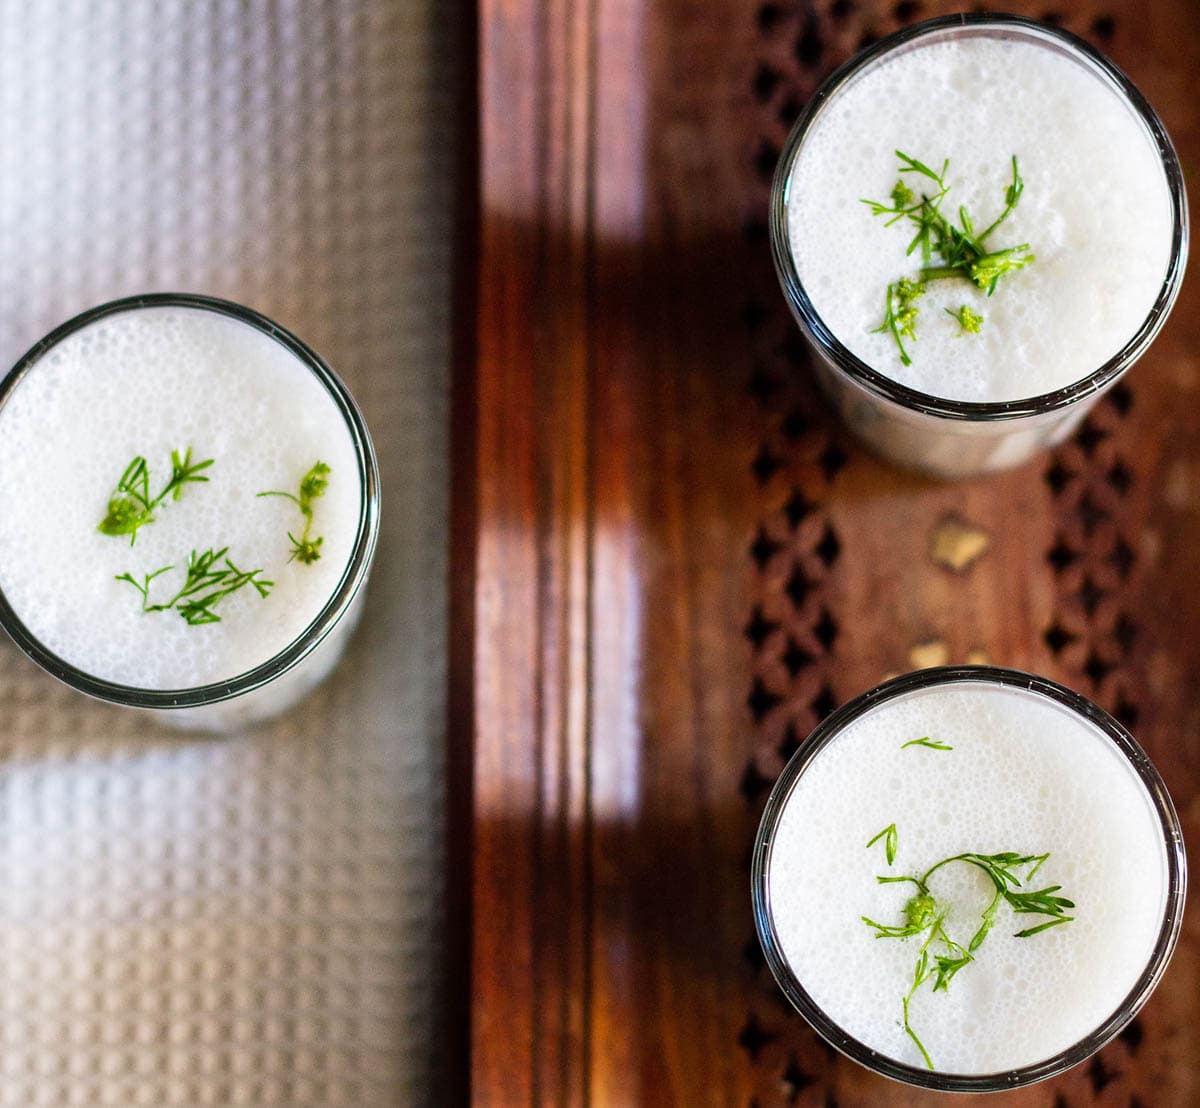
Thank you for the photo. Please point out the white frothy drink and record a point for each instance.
(146, 382)
(1025, 775)
(1096, 212)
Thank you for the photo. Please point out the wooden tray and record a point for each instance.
(670, 562)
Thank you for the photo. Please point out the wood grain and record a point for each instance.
(673, 563)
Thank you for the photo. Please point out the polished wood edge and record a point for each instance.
(455, 1046)
(525, 577)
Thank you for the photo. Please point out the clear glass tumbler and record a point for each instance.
(1061, 702)
(953, 438)
(279, 681)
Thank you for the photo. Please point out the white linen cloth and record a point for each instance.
(253, 920)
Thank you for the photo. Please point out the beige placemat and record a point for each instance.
(251, 921)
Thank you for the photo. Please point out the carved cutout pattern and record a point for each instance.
(792, 630)
(1093, 634)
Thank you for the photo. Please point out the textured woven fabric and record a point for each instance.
(248, 921)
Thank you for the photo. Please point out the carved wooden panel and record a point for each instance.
(676, 563)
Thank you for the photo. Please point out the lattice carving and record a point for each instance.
(1093, 632)
(794, 630)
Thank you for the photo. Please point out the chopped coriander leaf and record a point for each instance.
(925, 915)
(312, 485)
(888, 834)
(131, 506)
(960, 252)
(206, 584)
(969, 322)
(927, 742)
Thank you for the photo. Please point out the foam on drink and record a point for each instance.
(149, 381)
(1025, 775)
(1096, 211)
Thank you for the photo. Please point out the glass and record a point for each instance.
(955, 438)
(827, 732)
(279, 682)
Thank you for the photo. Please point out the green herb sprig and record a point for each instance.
(927, 742)
(312, 485)
(969, 322)
(131, 506)
(962, 252)
(211, 577)
(900, 313)
(923, 914)
(889, 836)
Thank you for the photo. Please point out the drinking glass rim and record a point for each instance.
(1147, 981)
(974, 410)
(351, 580)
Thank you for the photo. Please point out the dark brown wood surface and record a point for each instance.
(670, 563)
